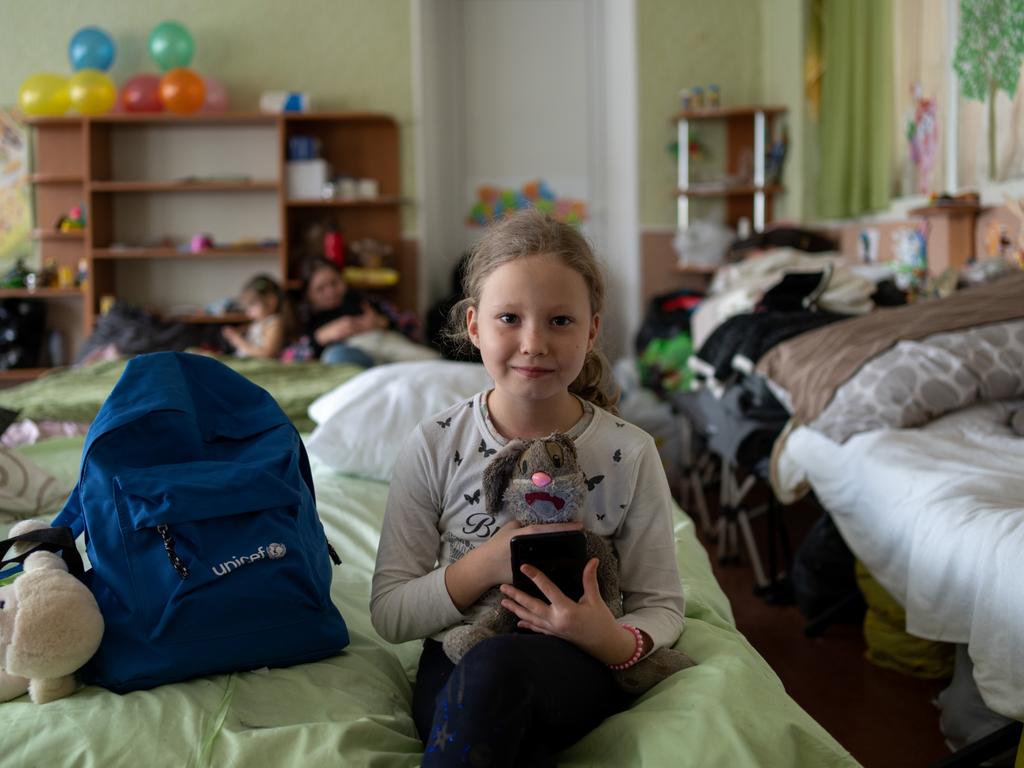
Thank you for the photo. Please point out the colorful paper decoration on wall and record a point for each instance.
(923, 135)
(15, 204)
(493, 202)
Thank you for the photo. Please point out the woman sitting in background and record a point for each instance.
(335, 313)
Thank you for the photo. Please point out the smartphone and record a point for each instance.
(559, 555)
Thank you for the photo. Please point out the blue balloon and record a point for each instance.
(91, 48)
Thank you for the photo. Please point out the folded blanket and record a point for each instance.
(809, 368)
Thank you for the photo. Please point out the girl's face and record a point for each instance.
(259, 307)
(326, 289)
(533, 327)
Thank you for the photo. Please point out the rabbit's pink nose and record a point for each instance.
(540, 479)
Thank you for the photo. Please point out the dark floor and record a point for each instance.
(883, 718)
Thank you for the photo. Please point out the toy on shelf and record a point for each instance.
(201, 242)
(74, 221)
(372, 264)
(372, 254)
(16, 276)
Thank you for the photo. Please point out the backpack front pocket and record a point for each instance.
(215, 551)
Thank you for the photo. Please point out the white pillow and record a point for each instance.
(363, 422)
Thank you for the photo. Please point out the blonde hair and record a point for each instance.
(531, 233)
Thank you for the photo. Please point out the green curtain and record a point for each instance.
(856, 107)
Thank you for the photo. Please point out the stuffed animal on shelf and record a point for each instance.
(509, 481)
(50, 625)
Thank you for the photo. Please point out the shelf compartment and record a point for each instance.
(725, 113)
(56, 178)
(174, 253)
(731, 191)
(40, 293)
(364, 202)
(54, 234)
(149, 119)
(184, 186)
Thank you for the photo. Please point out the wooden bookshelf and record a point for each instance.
(82, 160)
(748, 131)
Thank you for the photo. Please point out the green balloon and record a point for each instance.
(171, 45)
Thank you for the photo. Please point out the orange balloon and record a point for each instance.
(182, 91)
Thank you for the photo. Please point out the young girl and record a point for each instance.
(336, 313)
(534, 293)
(266, 305)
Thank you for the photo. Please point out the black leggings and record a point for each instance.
(514, 699)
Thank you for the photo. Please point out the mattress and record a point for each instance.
(937, 515)
(354, 708)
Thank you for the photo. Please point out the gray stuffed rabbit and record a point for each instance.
(508, 481)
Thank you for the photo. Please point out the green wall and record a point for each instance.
(356, 54)
(348, 54)
(681, 44)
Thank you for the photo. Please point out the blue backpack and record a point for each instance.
(197, 504)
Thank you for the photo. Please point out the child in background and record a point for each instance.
(534, 294)
(266, 305)
(337, 312)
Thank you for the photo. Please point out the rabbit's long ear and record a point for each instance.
(498, 472)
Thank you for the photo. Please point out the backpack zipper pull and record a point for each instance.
(334, 555)
(176, 561)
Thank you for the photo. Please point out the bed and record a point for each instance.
(74, 395)
(353, 709)
(902, 427)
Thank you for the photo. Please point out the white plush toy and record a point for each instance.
(50, 626)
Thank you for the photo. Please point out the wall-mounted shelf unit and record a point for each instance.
(147, 178)
(747, 192)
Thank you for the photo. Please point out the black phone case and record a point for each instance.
(559, 555)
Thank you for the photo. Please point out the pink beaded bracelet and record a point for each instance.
(636, 653)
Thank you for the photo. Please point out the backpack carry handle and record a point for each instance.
(57, 540)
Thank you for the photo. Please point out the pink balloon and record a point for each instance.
(216, 96)
(141, 94)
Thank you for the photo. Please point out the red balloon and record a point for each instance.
(142, 94)
(182, 91)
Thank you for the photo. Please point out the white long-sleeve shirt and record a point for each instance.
(435, 514)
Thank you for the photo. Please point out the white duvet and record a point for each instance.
(937, 516)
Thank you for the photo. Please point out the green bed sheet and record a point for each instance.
(76, 394)
(353, 710)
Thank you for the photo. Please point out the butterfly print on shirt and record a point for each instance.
(446, 423)
(475, 498)
(617, 456)
(457, 459)
(482, 448)
(593, 481)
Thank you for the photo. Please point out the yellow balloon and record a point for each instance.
(92, 92)
(44, 94)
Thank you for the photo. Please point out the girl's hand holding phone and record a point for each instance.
(489, 564)
(587, 624)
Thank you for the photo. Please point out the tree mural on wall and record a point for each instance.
(988, 56)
